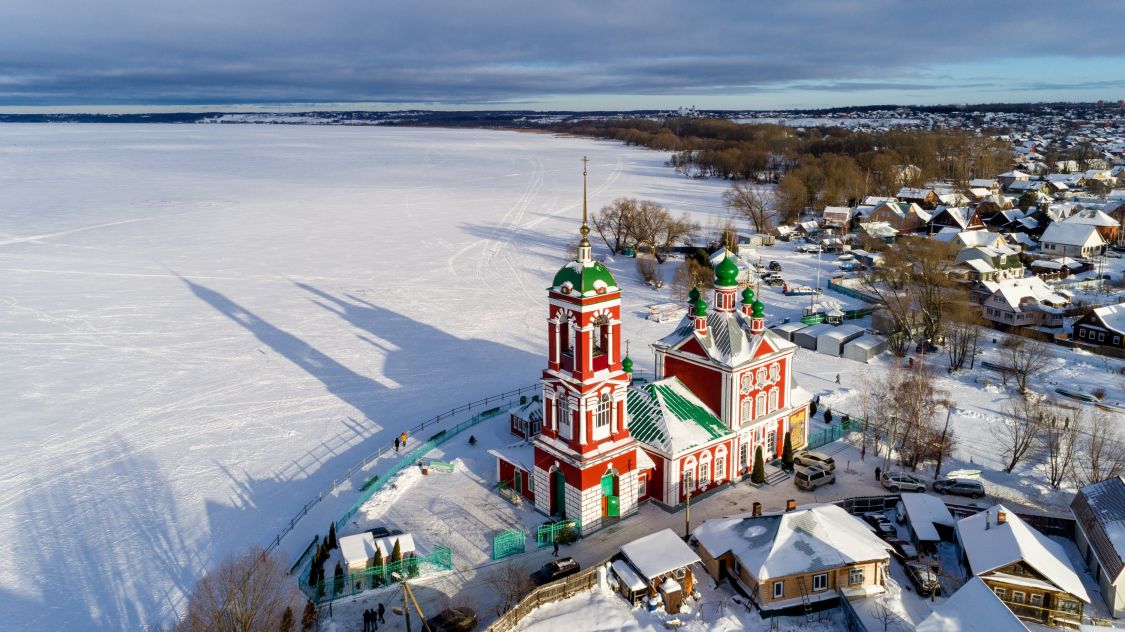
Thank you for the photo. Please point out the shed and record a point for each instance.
(808, 336)
(832, 341)
(929, 518)
(658, 555)
(629, 584)
(386, 545)
(786, 330)
(865, 347)
(357, 550)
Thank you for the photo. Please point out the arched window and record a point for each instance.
(747, 412)
(688, 476)
(571, 335)
(775, 372)
(760, 405)
(562, 414)
(601, 324)
(603, 416)
(773, 399)
(720, 463)
(705, 469)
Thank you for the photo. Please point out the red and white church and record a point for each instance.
(724, 386)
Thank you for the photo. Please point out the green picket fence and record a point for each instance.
(832, 433)
(349, 584)
(509, 543)
(547, 533)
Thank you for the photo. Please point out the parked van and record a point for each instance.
(810, 478)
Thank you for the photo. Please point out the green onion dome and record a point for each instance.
(759, 309)
(726, 273)
(700, 307)
(748, 295)
(627, 365)
(693, 295)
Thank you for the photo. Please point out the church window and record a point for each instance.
(602, 418)
(773, 399)
(601, 330)
(571, 332)
(747, 411)
(761, 378)
(564, 423)
(747, 382)
(760, 405)
(775, 372)
(743, 453)
(704, 474)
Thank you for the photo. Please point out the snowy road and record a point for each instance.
(202, 326)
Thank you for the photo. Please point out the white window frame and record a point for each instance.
(746, 410)
(774, 398)
(856, 575)
(720, 472)
(778, 590)
(603, 417)
(1001, 592)
(760, 404)
(1019, 596)
(1036, 600)
(563, 419)
(820, 582)
(705, 469)
(743, 455)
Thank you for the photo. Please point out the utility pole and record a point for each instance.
(687, 512)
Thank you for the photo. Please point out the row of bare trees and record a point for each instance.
(903, 411)
(1072, 444)
(642, 225)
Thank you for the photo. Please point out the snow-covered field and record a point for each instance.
(202, 326)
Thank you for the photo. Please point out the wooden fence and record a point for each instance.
(545, 594)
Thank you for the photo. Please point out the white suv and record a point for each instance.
(815, 459)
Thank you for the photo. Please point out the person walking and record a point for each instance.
(380, 618)
(404, 439)
(556, 548)
(396, 444)
(837, 378)
(878, 473)
(374, 622)
(367, 621)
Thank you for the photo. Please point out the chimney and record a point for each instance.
(1001, 518)
(757, 510)
(790, 505)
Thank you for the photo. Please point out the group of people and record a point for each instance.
(400, 441)
(372, 617)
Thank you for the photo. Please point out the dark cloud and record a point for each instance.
(453, 52)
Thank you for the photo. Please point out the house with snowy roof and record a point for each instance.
(1026, 302)
(926, 198)
(929, 519)
(960, 218)
(988, 263)
(1107, 226)
(904, 217)
(1099, 511)
(838, 217)
(1028, 571)
(724, 386)
(990, 184)
(812, 555)
(1102, 327)
(973, 608)
(1062, 239)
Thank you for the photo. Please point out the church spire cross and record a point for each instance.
(584, 248)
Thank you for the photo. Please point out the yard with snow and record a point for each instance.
(203, 326)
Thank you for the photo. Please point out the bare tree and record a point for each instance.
(511, 583)
(1025, 358)
(884, 614)
(246, 593)
(1059, 434)
(913, 286)
(614, 222)
(1019, 430)
(672, 230)
(962, 333)
(694, 272)
(747, 200)
(647, 268)
(1101, 453)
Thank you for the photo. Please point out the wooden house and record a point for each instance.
(1102, 327)
(1099, 511)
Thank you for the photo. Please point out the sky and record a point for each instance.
(573, 55)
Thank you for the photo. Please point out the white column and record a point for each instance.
(581, 423)
(609, 341)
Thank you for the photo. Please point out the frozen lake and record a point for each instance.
(201, 325)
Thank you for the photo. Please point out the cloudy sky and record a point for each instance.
(611, 54)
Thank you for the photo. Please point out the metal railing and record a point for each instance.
(367, 460)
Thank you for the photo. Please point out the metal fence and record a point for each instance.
(304, 510)
(555, 591)
(832, 433)
(508, 543)
(375, 576)
(548, 533)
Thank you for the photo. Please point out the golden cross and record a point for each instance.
(585, 161)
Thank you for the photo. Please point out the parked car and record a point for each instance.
(773, 281)
(810, 478)
(928, 347)
(924, 578)
(960, 487)
(383, 532)
(901, 482)
(904, 549)
(775, 266)
(882, 526)
(454, 620)
(562, 567)
(816, 459)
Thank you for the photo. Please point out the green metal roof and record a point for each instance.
(688, 411)
(644, 418)
(584, 276)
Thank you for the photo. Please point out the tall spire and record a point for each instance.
(584, 250)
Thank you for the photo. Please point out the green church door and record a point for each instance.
(611, 503)
(517, 483)
(558, 494)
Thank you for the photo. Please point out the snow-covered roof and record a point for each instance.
(980, 265)
(1071, 234)
(842, 332)
(1100, 510)
(992, 548)
(669, 417)
(356, 549)
(1091, 217)
(386, 545)
(985, 183)
(818, 537)
(837, 212)
(627, 575)
(973, 608)
(1014, 293)
(923, 512)
(728, 340)
(659, 553)
(971, 238)
(520, 454)
(1112, 316)
(866, 342)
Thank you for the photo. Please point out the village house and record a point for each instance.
(992, 205)
(1099, 511)
(973, 608)
(988, 263)
(812, 555)
(1107, 227)
(988, 184)
(1028, 571)
(929, 520)
(1026, 302)
(657, 564)
(904, 217)
(926, 198)
(1062, 239)
(958, 218)
(1102, 327)
(838, 217)
(1006, 179)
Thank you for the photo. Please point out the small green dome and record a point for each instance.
(748, 295)
(693, 295)
(759, 309)
(585, 278)
(700, 307)
(627, 365)
(726, 273)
